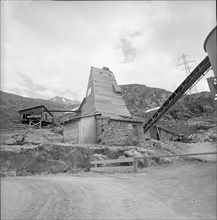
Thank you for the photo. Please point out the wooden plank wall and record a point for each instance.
(87, 130)
(106, 100)
(88, 107)
(103, 98)
(70, 132)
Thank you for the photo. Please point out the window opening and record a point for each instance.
(89, 91)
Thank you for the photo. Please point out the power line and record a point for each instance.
(187, 70)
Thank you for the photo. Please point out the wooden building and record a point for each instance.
(98, 129)
(104, 117)
(80, 130)
(36, 116)
(158, 132)
(104, 95)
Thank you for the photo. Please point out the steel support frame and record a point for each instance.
(195, 75)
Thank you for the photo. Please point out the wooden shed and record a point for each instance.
(158, 132)
(80, 130)
(36, 116)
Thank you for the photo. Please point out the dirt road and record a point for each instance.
(201, 148)
(185, 190)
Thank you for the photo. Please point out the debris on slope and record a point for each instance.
(99, 157)
(30, 136)
(40, 151)
(204, 136)
(54, 158)
(46, 158)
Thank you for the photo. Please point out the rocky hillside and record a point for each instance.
(11, 104)
(189, 114)
(140, 98)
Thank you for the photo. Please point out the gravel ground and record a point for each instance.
(182, 190)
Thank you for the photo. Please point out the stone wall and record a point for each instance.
(117, 132)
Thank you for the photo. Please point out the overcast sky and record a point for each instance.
(48, 47)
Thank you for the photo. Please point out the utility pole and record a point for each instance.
(185, 62)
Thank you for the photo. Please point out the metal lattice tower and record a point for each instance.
(193, 89)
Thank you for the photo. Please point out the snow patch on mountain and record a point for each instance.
(65, 101)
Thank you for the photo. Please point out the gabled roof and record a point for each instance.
(36, 107)
(104, 95)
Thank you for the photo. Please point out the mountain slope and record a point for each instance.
(140, 98)
(190, 109)
(11, 104)
(64, 101)
(189, 114)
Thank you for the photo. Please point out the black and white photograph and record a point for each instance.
(108, 110)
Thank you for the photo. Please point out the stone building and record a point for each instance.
(104, 117)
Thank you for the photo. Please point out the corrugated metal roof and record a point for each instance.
(104, 95)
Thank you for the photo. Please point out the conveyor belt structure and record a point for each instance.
(191, 79)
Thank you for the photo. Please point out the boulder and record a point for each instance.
(167, 159)
(133, 153)
(201, 125)
(9, 141)
(57, 130)
(98, 157)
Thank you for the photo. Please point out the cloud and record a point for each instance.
(54, 44)
(128, 51)
(45, 89)
(136, 33)
(30, 85)
(31, 88)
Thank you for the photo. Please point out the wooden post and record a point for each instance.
(135, 165)
(158, 132)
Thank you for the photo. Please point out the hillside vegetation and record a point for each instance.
(191, 113)
(11, 104)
